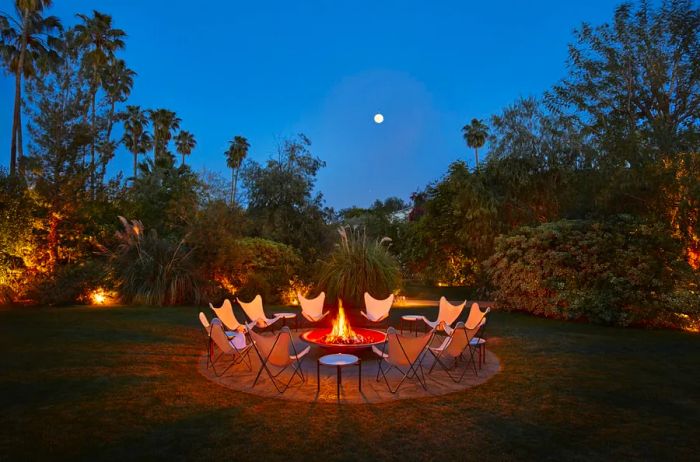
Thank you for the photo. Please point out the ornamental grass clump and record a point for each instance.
(358, 265)
(150, 270)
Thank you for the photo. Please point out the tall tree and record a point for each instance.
(26, 41)
(281, 199)
(164, 123)
(184, 144)
(235, 154)
(101, 41)
(136, 139)
(475, 134)
(635, 82)
(117, 81)
(55, 169)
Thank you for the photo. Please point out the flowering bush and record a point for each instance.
(264, 267)
(621, 271)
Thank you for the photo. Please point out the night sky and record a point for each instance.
(268, 70)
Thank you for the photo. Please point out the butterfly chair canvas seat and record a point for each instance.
(228, 348)
(377, 310)
(456, 348)
(447, 314)
(479, 341)
(228, 318)
(312, 308)
(206, 329)
(278, 353)
(403, 354)
(256, 313)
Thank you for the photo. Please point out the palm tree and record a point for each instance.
(236, 152)
(136, 139)
(164, 122)
(475, 134)
(184, 144)
(26, 41)
(101, 41)
(117, 80)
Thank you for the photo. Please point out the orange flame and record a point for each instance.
(342, 331)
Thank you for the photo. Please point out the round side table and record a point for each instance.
(338, 361)
(286, 316)
(410, 318)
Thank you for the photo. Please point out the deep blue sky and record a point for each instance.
(267, 70)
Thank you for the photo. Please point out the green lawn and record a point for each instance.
(121, 384)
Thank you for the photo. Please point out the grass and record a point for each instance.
(120, 383)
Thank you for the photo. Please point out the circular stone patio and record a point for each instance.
(239, 378)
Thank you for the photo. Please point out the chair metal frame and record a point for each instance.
(481, 346)
(415, 367)
(207, 334)
(262, 322)
(450, 369)
(295, 364)
(238, 355)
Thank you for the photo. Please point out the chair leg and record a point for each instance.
(210, 352)
(257, 377)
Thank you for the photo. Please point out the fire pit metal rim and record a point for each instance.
(377, 335)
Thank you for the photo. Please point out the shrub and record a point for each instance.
(358, 265)
(151, 270)
(69, 283)
(621, 271)
(264, 267)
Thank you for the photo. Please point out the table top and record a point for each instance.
(287, 315)
(338, 359)
(411, 317)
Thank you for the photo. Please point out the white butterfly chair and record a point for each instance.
(454, 348)
(377, 310)
(403, 353)
(255, 312)
(237, 349)
(225, 313)
(479, 340)
(312, 308)
(206, 329)
(277, 353)
(448, 313)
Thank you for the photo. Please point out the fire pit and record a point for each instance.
(342, 336)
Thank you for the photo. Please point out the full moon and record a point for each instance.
(378, 118)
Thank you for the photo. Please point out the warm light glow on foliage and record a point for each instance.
(225, 282)
(101, 296)
(685, 221)
(691, 324)
(442, 284)
(694, 258)
(289, 296)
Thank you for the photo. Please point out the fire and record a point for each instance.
(342, 332)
